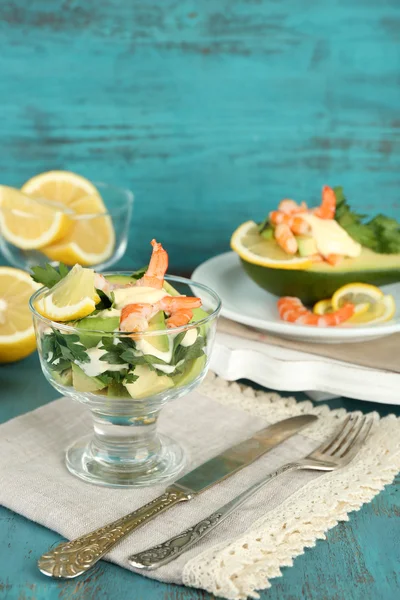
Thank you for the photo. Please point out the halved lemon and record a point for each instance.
(356, 293)
(29, 223)
(379, 312)
(91, 239)
(71, 298)
(59, 186)
(17, 336)
(253, 248)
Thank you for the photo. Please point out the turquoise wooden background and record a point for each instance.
(211, 111)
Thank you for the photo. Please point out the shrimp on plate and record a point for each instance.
(291, 309)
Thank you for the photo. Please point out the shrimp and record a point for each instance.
(333, 259)
(290, 207)
(154, 276)
(179, 309)
(299, 226)
(293, 310)
(277, 217)
(135, 317)
(328, 205)
(285, 238)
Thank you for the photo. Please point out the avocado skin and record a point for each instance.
(311, 286)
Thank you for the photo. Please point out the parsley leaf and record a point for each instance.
(60, 350)
(49, 275)
(381, 234)
(190, 352)
(105, 301)
(140, 272)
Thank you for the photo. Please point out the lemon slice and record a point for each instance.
(29, 223)
(379, 312)
(59, 186)
(71, 298)
(253, 248)
(356, 293)
(91, 240)
(324, 307)
(17, 336)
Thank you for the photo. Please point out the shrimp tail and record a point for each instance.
(154, 276)
(328, 205)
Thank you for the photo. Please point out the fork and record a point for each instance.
(332, 454)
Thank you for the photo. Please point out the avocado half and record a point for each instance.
(323, 279)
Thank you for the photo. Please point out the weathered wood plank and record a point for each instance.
(210, 112)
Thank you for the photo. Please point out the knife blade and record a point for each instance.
(70, 559)
(236, 457)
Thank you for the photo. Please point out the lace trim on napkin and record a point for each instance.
(237, 570)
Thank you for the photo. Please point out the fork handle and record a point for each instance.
(164, 553)
(70, 559)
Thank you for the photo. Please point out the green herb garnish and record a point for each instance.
(140, 272)
(381, 234)
(49, 275)
(59, 350)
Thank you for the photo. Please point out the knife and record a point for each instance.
(70, 559)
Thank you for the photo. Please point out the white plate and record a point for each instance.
(245, 302)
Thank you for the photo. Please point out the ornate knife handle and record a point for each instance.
(70, 559)
(160, 555)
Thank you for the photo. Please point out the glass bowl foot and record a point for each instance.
(91, 464)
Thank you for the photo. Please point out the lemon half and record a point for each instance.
(17, 336)
(253, 248)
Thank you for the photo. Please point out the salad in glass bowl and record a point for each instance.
(124, 345)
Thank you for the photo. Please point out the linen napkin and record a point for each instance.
(382, 354)
(251, 546)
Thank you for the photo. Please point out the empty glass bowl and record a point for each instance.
(104, 235)
(125, 380)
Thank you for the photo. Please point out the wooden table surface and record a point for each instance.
(359, 560)
(211, 112)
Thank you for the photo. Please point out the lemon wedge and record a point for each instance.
(71, 298)
(29, 223)
(253, 248)
(17, 336)
(356, 293)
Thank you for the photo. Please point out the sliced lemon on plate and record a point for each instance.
(29, 223)
(324, 307)
(356, 293)
(91, 239)
(59, 186)
(17, 336)
(253, 248)
(380, 311)
(71, 298)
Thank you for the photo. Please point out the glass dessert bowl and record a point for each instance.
(126, 377)
(64, 218)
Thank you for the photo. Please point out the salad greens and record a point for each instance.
(49, 275)
(381, 234)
